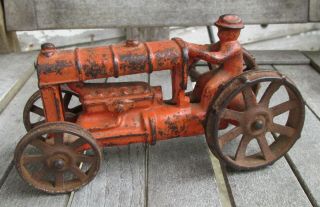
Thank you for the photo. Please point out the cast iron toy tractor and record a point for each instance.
(62, 151)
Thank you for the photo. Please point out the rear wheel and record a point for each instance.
(261, 131)
(33, 113)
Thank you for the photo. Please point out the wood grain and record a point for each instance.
(120, 181)
(279, 57)
(314, 10)
(11, 126)
(307, 81)
(59, 14)
(180, 174)
(15, 70)
(15, 192)
(314, 58)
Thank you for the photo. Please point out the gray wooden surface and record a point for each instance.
(120, 181)
(178, 172)
(11, 126)
(60, 14)
(307, 80)
(307, 150)
(314, 10)
(280, 57)
(274, 186)
(15, 70)
(14, 191)
(314, 58)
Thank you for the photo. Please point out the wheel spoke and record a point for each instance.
(282, 130)
(231, 115)
(241, 150)
(265, 149)
(58, 138)
(40, 145)
(29, 159)
(230, 135)
(59, 179)
(272, 88)
(249, 97)
(85, 158)
(37, 110)
(77, 172)
(77, 143)
(38, 175)
(284, 107)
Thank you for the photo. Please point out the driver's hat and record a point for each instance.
(230, 21)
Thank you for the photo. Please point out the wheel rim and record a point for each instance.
(51, 157)
(255, 121)
(33, 113)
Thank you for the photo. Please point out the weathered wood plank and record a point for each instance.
(271, 186)
(120, 181)
(279, 57)
(315, 59)
(15, 192)
(307, 81)
(180, 174)
(305, 41)
(314, 10)
(8, 40)
(147, 33)
(48, 14)
(250, 34)
(305, 156)
(15, 70)
(32, 40)
(11, 126)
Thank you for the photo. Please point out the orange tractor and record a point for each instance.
(77, 117)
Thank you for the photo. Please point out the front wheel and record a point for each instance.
(53, 157)
(262, 128)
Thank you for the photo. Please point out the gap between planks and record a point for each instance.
(15, 89)
(293, 167)
(225, 193)
(6, 174)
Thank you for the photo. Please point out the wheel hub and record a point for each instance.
(59, 164)
(258, 124)
(59, 161)
(256, 121)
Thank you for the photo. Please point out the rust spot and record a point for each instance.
(167, 56)
(133, 63)
(172, 125)
(93, 69)
(56, 67)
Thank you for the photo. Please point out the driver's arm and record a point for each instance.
(211, 57)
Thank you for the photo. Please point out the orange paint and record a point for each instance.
(124, 113)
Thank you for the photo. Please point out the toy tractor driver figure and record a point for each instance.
(227, 51)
